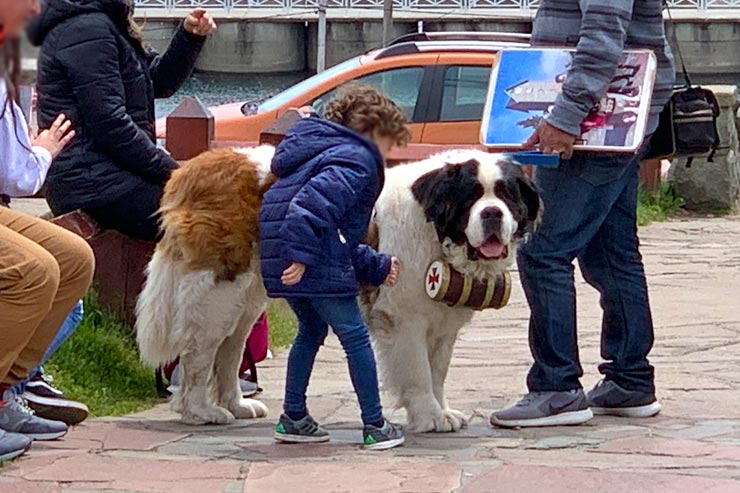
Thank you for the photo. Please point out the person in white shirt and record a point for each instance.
(44, 269)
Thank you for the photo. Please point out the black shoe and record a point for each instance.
(608, 398)
(17, 417)
(51, 403)
(556, 408)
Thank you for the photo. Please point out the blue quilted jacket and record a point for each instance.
(318, 212)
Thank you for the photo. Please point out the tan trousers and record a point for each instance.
(44, 271)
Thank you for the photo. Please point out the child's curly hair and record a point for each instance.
(368, 111)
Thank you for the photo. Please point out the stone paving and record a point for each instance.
(693, 446)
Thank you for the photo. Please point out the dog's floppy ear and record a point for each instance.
(437, 194)
(531, 199)
(431, 191)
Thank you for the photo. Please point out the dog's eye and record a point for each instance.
(502, 191)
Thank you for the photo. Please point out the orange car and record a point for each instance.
(439, 79)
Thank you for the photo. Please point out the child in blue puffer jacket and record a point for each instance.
(312, 222)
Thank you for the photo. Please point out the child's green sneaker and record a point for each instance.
(388, 436)
(306, 430)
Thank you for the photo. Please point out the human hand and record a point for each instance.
(293, 274)
(551, 140)
(55, 138)
(199, 22)
(392, 278)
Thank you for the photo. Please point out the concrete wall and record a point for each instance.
(708, 48)
(345, 39)
(262, 46)
(711, 49)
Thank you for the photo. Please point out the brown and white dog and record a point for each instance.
(204, 289)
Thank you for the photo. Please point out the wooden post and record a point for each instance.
(190, 129)
(650, 175)
(274, 133)
(387, 21)
(321, 49)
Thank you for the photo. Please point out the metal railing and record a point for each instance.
(522, 5)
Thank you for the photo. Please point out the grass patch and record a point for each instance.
(657, 207)
(99, 365)
(283, 325)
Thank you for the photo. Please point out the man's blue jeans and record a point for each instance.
(315, 315)
(65, 331)
(590, 214)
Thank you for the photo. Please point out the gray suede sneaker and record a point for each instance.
(608, 398)
(17, 417)
(386, 437)
(306, 430)
(545, 409)
(12, 445)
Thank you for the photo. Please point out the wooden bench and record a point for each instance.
(120, 262)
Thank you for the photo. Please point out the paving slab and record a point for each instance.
(693, 267)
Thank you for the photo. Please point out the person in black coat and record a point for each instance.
(94, 69)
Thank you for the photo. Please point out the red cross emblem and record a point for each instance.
(433, 278)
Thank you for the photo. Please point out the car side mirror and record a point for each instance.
(318, 106)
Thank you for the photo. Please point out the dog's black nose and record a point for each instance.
(491, 213)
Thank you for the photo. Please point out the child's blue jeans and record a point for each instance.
(315, 315)
(65, 331)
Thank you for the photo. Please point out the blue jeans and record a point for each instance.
(590, 214)
(314, 318)
(65, 331)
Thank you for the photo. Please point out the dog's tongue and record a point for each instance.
(492, 249)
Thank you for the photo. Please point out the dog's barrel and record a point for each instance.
(447, 285)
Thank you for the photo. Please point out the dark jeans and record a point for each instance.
(314, 318)
(134, 214)
(590, 209)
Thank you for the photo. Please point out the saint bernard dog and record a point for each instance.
(468, 208)
(204, 290)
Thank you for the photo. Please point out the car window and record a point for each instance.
(401, 85)
(297, 90)
(464, 93)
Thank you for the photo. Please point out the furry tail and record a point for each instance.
(155, 313)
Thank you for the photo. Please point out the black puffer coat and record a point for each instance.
(93, 70)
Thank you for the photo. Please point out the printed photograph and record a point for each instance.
(526, 83)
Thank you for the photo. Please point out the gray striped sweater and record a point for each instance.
(601, 30)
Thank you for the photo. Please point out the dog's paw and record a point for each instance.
(444, 421)
(249, 409)
(455, 416)
(212, 415)
(176, 403)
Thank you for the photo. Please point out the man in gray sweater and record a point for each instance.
(590, 204)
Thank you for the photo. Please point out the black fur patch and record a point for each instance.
(447, 195)
(520, 195)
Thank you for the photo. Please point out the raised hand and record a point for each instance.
(199, 22)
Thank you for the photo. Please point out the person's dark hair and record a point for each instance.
(10, 69)
(134, 29)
